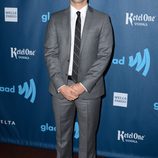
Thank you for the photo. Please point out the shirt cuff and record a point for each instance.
(83, 86)
(60, 88)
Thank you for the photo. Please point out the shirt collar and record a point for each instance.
(82, 10)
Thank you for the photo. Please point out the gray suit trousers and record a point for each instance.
(88, 116)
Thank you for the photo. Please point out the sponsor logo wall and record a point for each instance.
(129, 109)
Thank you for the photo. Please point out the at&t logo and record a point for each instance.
(139, 19)
(129, 137)
(28, 90)
(141, 63)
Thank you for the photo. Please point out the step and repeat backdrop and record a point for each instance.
(129, 115)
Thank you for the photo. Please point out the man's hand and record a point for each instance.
(79, 89)
(68, 92)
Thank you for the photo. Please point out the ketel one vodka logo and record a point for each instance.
(139, 19)
(27, 89)
(129, 137)
(22, 53)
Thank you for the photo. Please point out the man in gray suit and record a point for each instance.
(78, 48)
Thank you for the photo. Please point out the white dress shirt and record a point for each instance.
(73, 16)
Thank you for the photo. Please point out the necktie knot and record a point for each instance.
(78, 13)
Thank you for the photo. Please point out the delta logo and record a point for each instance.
(28, 90)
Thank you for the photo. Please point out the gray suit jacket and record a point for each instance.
(96, 50)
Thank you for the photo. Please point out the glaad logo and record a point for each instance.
(155, 106)
(7, 89)
(139, 61)
(28, 91)
(11, 14)
(45, 17)
(76, 130)
(119, 61)
(47, 127)
(129, 137)
(139, 20)
(22, 53)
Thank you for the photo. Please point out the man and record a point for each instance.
(78, 48)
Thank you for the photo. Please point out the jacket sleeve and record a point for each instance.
(52, 54)
(104, 53)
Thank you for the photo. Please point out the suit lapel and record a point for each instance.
(67, 26)
(86, 27)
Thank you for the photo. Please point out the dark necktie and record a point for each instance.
(77, 44)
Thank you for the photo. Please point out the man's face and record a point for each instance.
(78, 1)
